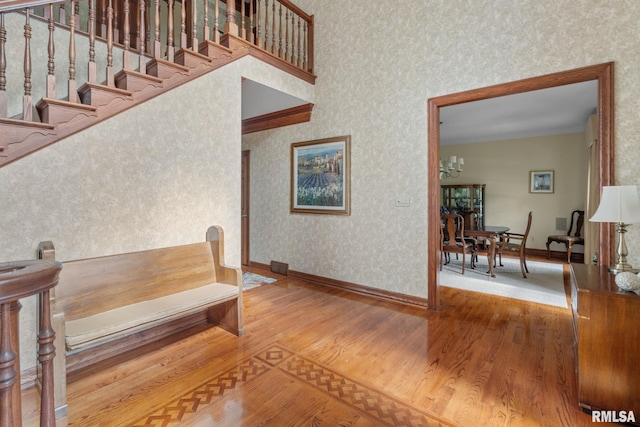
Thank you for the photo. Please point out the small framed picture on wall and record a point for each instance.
(541, 181)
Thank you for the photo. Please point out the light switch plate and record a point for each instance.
(403, 202)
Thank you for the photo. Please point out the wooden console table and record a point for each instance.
(606, 323)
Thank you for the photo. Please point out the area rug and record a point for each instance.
(544, 283)
(253, 280)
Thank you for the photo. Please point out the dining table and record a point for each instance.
(490, 233)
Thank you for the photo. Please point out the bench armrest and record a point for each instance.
(224, 273)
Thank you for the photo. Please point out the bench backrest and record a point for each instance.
(98, 284)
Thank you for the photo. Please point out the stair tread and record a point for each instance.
(101, 86)
(169, 64)
(195, 54)
(26, 123)
(60, 102)
(141, 75)
(215, 45)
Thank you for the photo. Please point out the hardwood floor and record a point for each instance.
(320, 356)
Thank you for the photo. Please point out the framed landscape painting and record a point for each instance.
(541, 181)
(320, 172)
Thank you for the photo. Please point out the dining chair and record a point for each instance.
(577, 218)
(516, 242)
(452, 240)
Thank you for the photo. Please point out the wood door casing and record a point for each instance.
(244, 208)
(603, 73)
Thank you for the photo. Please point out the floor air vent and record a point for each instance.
(279, 267)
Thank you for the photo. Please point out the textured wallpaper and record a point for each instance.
(157, 175)
(377, 65)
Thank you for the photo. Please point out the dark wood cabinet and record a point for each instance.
(465, 199)
(606, 323)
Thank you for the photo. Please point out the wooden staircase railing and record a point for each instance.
(87, 60)
(19, 280)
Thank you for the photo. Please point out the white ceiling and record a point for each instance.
(258, 99)
(553, 111)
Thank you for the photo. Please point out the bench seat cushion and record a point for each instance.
(122, 321)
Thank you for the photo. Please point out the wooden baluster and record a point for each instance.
(126, 54)
(110, 72)
(299, 59)
(258, 40)
(287, 45)
(304, 52)
(206, 33)
(280, 34)
(243, 33)
(252, 38)
(309, 46)
(77, 14)
(73, 85)
(231, 27)
(62, 15)
(115, 22)
(289, 38)
(47, 12)
(142, 67)
(92, 42)
(103, 18)
(216, 26)
(273, 27)
(194, 31)
(183, 25)
(51, 64)
(8, 372)
(3, 69)
(170, 47)
(46, 353)
(266, 25)
(27, 103)
(156, 35)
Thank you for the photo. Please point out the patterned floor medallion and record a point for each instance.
(364, 402)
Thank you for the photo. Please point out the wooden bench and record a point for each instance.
(107, 305)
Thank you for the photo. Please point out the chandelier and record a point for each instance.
(452, 168)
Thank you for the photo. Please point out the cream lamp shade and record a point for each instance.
(619, 204)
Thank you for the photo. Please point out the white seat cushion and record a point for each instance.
(121, 321)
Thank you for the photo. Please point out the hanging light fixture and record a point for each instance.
(452, 168)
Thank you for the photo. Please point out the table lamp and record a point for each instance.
(620, 205)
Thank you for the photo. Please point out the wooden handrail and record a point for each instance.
(10, 5)
(18, 280)
(301, 13)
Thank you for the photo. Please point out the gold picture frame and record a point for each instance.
(320, 176)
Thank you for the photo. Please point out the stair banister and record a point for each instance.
(11, 5)
(275, 31)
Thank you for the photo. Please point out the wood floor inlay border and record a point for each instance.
(373, 403)
(178, 410)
